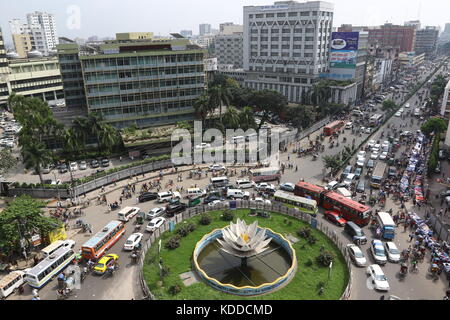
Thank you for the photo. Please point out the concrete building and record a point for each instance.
(286, 46)
(186, 33)
(393, 35)
(138, 82)
(426, 41)
(204, 29)
(4, 72)
(23, 44)
(445, 35)
(413, 23)
(47, 23)
(411, 59)
(445, 107)
(229, 50)
(205, 41)
(229, 28)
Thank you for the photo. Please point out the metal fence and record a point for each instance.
(243, 204)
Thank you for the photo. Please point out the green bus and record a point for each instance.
(303, 204)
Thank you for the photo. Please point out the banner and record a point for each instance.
(344, 49)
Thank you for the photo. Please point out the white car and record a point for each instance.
(73, 166)
(133, 241)
(216, 167)
(362, 129)
(361, 154)
(83, 165)
(374, 155)
(378, 252)
(385, 144)
(155, 212)
(155, 224)
(398, 114)
(217, 202)
(368, 130)
(392, 252)
(287, 186)
(383, 155)
(263, 186)
(407, 105)
(376, 148)
(401, 110)
(379, 280)
(348, 125)
(372, 143)
(262, 201)
(357, 255)
(360, 162)
(202, 146)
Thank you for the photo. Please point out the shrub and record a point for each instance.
(190, 227)
(312, 239)
(309, 262)
(173, 290)
(165, 271)
(304, 232)
(182, 231)
(173, 243)
(228, 216)
(325, 258)
(205, 219)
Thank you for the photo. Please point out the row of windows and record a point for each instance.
(36, 87)
(54, 265)
(135, 61)
(283, 54)
(283, 38)
(307, 30)
(108, 237)
(296, 203)
(290, 14)
(147, 109)
(284, 46)
(35, 80)
(14, 281)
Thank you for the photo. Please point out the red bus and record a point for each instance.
(265, 174)
(333, 127)
(96, 246)
(308, 190)
(349, 209)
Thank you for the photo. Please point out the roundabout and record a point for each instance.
(288, 267)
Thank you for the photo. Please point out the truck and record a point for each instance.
(378, 175)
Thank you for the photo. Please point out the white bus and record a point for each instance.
(51, 266)
(219, 181)
(376, 120)
(56, 245)
(10, 282)
(127, 213)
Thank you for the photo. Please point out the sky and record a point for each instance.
(84, 18)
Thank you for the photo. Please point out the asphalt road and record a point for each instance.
(124, 285)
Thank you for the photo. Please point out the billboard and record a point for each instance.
(344, 50)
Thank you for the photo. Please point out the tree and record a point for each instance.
(241, 97)
(202, 106)
(231, 118)
(332, 162)
(269, 102)
(436, 125)
(219, 95)
(247, 119)
(109, 137)
(7, 161)
(35, 156)
(388, 105)
(301, 116)
(23, 218)
(81, 129)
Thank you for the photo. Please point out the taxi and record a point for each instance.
(105, 262)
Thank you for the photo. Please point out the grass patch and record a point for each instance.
(304, 286)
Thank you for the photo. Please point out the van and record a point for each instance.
(237, 194)
(167, 195)
(195, 192)
(243, 184)
(219, 182)
(10, 282)
(354, 231)
(127, 213)
(47, 251)
(358, 113)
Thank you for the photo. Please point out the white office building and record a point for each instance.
(286, 46)
(43, 29)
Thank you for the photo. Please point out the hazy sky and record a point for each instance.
(106, 17)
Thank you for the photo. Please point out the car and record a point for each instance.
(212, 198)
(47, 169)
(148, 196)
(361, 186)
(374, 155)
(155, 224)
(287, 186)
(216, 167)
(155, 213)
(378, 252)
(392, 252)
(360, 162)
(263, 186)
(105, 163)
(438, 167)
(349, 180)
(133, 241)
(63, 168)
(407, 105)
(94, 164)
(346, 171)
(398, 114)
(379, 280)
(383, 155)
(105, 262)
(73, 166)
(332, 185)
(445, 193)
(362, 129)
(368, 130)
(401, 110)
(356, 255)
(361, 154)
(348, 125)
(216, 203)
(392, 172)
(376, 148)
(335, 218)
(83, 165)
(203, 146)
(358, 172)
(371, 143)
(262, 201)
(385, 144)
(175, 208)
(441, 154)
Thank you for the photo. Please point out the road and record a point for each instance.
(124, 285)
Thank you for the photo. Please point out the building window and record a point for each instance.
(274, 39)
(297, 38)
(264, 31)
(260, 15)
(281, 15)
(286, 38)
(275, 30)
(286, 30)
(304, 14)
(270, 15)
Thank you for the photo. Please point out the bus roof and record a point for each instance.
(334, 123)
(101, 234)
(386, 219)
(53, 246)
(348, 202)
(310, 186)
(10, 277)
(48, 261)
(219, 178)
(288, 196)
(265, 169)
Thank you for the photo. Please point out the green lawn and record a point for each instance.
(304, 286)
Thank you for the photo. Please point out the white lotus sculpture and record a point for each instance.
(243, 240)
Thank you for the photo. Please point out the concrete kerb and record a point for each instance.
(243, 204)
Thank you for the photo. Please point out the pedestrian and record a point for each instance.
(411, 237)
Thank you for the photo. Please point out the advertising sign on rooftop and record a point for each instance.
(344, 49)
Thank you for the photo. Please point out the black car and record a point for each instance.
(212, 198)
(175, 208)
(63, 168)
(148, 196)
(105, 163)
(94, 164)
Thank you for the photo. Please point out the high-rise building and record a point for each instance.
(426, 40)
(413, 23)
(204, 29)
(4, 71)
(230, 28)
(393, 35)
(445, 36)
(229, 50)
(286, 46)
(47, 24)
(186, 33)
(140, 82)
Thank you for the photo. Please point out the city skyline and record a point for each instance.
(153, 17)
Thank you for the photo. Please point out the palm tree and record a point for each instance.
(81, 128)
(95, 126)
(72, 143)
(35, 156)
(219, 95)
(109, 136)
(231, 118)
(247, 118)
(202, 106)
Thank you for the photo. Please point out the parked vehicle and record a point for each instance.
(133, 241)
(354, 231)
(155, 212)
(155, 224)
(335, 218)
(148, 196)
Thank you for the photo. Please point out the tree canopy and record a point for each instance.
(388, 105)
(436, 125)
